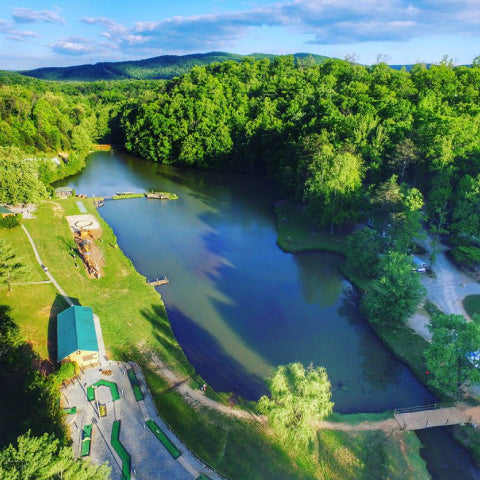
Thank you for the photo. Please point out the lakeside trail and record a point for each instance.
(197, 398)
(388, 425)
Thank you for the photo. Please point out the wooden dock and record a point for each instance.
(437, 415)
(159, 281)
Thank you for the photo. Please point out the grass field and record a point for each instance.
(133, 320)
(296, 233)
(128, 195)
(131, 312)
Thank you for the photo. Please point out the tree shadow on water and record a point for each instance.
(204, 352)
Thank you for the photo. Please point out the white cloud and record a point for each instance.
(73, 46)
(322, 22)
(27, 15)
(8, 29)
(326, 21)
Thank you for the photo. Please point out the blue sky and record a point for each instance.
(36, 33)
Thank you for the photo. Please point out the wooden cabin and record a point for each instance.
(76, 337)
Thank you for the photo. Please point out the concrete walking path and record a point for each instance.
(49, 275)
(102, 353)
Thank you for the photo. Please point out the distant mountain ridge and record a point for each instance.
(163, 67)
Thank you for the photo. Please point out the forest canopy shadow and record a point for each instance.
(211, 361)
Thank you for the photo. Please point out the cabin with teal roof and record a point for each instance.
(76, 337)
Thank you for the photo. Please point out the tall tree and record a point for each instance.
(394, 295)
(19, 179)
(396, 211)
(10, 339)
(299, 399)
(44, 458)
(10, 267)
(404, 155)
(363, 249)
(333, 176)
(453, 357)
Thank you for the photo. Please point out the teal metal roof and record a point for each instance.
(75, 331)
(5, 210)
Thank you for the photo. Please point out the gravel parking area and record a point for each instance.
(150, 459)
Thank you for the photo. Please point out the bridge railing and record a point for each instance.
(422, 408)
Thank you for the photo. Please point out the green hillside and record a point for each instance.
(164, 67)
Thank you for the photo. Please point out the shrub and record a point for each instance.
(466, 254)
(11, 221)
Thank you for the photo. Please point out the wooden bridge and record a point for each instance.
(436, 415)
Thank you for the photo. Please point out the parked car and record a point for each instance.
(45, 269)
(419, 265)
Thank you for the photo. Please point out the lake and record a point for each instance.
(238, 304)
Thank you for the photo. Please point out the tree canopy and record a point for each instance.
(394, 294)
(44, 458)
(299, 399)
(10, 267)
(453, 356)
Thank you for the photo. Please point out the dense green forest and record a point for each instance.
(347, 140)
(40, 120)
(163, 67)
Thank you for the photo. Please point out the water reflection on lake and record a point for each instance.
(237, 303)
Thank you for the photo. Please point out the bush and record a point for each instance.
(66, 372)
(11, 221)
(466, 254)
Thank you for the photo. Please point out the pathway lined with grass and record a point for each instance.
(193, 396)
(49, 275)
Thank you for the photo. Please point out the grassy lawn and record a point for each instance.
(131, 312)
(34, 306)
(296, 233)
(356, 418)
(368, 455)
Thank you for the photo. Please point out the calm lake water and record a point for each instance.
(239, 305)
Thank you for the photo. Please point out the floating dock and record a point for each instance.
(157, 282)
